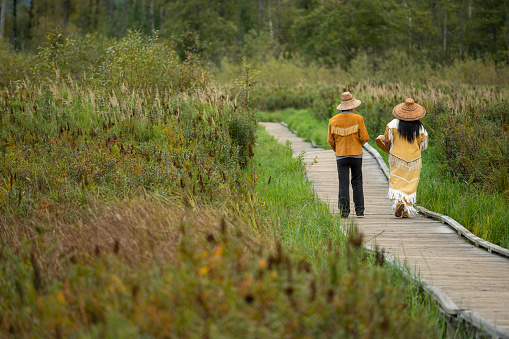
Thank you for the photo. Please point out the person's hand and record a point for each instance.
(384, 143)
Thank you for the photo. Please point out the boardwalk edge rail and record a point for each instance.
(449, 307)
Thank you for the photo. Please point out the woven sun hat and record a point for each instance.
(409, 110)
(348, 102)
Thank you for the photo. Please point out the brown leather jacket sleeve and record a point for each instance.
(330, 140)
(363, 132)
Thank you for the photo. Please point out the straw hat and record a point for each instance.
(348, 102)
(409, 110)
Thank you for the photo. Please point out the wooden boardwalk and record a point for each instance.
(470, 283)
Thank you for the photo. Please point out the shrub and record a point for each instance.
(12, 65)
(76, 57)
(144, 64)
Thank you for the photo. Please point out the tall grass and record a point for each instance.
(71, 144)
(131, 206)
(297, 216)
(121, 129)
(290, 71)
(484, 213)
(270, 263)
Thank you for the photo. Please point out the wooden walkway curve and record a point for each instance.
(470, 283)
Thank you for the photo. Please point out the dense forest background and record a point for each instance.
(327, 32)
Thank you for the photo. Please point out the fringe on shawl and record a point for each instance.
(407, 166)
(344, 131)
(398, 196)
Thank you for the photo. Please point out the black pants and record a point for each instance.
(344, 166)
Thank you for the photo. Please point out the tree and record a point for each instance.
(2, 18)
(15, 24)
(336, 31)
(485, 38)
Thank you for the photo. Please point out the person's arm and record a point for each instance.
(388, 139)
(363, 132)
(388, 133)
(330, 140)
(424, 140)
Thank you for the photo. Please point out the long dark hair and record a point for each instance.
(409, 129)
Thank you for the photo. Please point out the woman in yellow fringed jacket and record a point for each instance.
(404, 139)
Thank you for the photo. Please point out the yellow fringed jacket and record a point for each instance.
(347, 134)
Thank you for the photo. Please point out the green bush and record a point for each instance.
(12, 65)
(144, 64)
(75, 57)
(473, 142)
(271, 99)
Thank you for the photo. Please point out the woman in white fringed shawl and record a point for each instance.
(405, 137)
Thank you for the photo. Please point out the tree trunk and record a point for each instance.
(278, 18)
(507, 29)
(152, 17)
(142, 21)
(161, 18)
(438, 23)
(495, 40)
(67, 12)
(409, 20)
(112, 7)
(89, 17)
(461, 38)
(15, 24)
(41, 11)
(2, 18)
(410, 36)
(126, 14)
(444, 45)
(260, 15)
(96, 15)
(221, 9)
(30, 19)
(270, 25)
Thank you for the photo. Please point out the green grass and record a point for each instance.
(301, 220)
(484, 213)
(301, 121)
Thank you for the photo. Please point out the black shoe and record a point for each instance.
(360, 215)
(344, 215)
